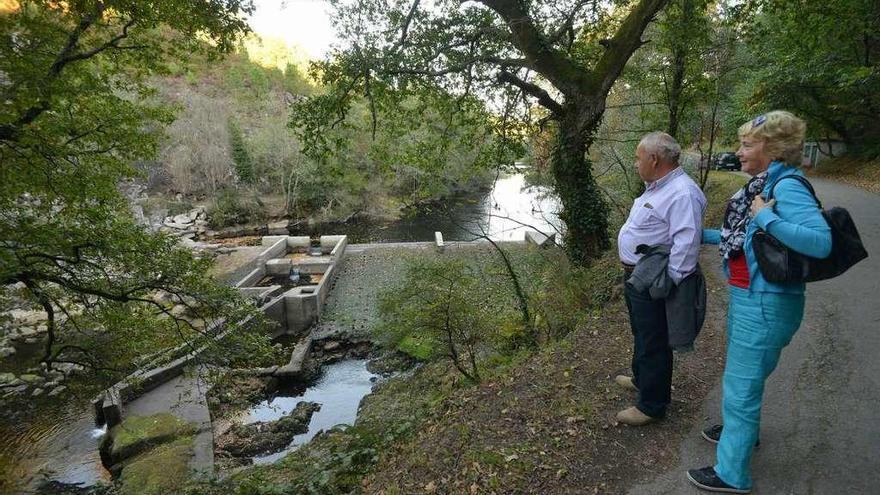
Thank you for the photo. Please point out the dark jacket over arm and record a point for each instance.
(685, 302)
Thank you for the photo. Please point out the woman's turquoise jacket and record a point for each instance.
(797, 222)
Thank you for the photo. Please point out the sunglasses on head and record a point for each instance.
(759, 120)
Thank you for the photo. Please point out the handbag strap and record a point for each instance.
(802, 180)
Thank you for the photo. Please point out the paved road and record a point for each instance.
(820, 428)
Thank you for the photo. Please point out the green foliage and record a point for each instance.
(494, 57)
(421, 149)
(802, 61)
(75, 112)
(233, 206)
(244, 166)
(442, 310)
(566, 295)
(423, 143)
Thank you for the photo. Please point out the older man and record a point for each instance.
(659, 248)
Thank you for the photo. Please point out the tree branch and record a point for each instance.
(67, 56)
(564, 73)
(626, 40)
(532, 89)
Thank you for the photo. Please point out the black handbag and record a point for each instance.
(783, 265)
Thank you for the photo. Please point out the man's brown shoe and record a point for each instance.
(633, 417)
(626, 382)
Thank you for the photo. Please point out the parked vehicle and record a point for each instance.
(727, 161)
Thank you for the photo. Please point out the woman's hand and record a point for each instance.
(758, 204)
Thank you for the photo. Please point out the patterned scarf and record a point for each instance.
(736, 217)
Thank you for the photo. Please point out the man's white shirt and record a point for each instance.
(669, 213)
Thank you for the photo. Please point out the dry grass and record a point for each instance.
(197, 152)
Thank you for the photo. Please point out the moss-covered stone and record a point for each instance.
(160, 471)
(139, 433)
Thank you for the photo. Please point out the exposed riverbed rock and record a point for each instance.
(27, 317)
(193, 222)
(332, 350)
(264, 438)
(57, 390)
(237, 391)
(32, 379)
(390, 363)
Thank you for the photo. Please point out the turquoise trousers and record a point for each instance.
(759, 325)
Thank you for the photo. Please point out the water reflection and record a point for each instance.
(504, 213)
(339, 391)
(63, 448)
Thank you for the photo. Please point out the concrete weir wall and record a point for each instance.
(295, 310)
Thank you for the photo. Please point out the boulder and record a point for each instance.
(6, 352)
(182, 219)
(264, 438)
(176, 226)
(187, 242)
(37, 392)
(25, 332)
(19, 389)
(178, 310)
(32, 379)
(28, 317)
(57, 390)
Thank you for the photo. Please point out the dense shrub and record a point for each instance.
(241, 158)
(233, 206)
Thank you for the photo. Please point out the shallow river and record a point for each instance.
(62, 447)
(339, 391)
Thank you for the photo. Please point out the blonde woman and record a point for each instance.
(762, 316)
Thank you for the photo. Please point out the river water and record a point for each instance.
(504, 213)
(339, 391)
(61, 446)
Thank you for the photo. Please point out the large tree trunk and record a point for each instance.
(584, 211)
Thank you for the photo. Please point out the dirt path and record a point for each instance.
(819, 430)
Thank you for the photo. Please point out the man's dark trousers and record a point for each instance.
(652, 356)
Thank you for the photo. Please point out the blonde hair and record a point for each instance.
(782, 134)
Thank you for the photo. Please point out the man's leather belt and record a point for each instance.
(628, 268)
